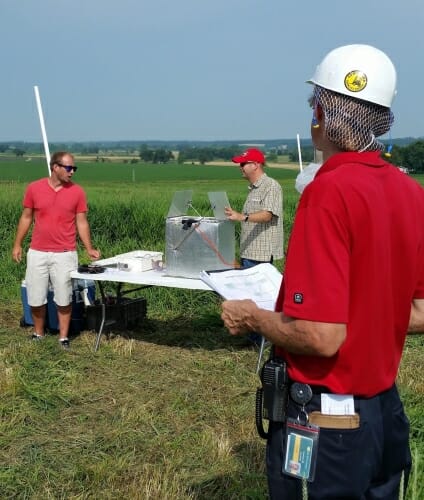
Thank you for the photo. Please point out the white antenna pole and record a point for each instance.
(299, 152)
(43, 128)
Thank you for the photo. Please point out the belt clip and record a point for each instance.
(301, 394)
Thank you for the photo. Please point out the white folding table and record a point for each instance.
(143, 279)
(146, 279)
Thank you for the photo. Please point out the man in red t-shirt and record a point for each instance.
(58, 208)
(353, 287)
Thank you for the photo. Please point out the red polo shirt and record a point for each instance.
(355, 256)
(54, 215)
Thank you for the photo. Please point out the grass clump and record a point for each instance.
(152, 422)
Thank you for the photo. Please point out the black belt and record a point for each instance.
(320, 389)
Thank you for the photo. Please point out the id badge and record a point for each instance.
(301, 450)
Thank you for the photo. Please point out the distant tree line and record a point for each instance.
(21, 148)
(158, 155)
(406, 152)
(307, 155)
(410, 157)
(206, 154)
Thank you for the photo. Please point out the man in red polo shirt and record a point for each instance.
(353, 288)
(58, 208)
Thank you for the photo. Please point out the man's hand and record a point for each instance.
(295, 335)
(233, 215)
(17, 253)
(24, 224)
(237, 315)
(93, 253)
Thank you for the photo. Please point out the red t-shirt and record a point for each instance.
(355, 256)
(54, 215)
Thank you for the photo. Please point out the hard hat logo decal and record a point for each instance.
(355, 81)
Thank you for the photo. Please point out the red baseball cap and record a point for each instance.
(251, 154)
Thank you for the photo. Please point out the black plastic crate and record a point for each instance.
(125, 314)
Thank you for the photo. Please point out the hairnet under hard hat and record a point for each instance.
(352, 124)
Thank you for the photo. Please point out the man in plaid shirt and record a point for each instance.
(261, 238)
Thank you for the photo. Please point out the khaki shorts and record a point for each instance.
(50, 269)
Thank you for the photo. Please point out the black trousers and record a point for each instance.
(362, 464)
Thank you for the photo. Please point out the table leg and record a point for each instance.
(99, 333)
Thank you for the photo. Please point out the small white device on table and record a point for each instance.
(137, 261)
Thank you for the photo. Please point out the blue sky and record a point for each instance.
(190, 69)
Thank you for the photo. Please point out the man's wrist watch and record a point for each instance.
(246, 217)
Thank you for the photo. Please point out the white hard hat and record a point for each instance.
(359, 71)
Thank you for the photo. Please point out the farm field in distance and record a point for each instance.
(165, 410)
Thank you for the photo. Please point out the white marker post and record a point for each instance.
(299, 152)
(43, 128)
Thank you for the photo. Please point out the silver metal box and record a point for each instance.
(196, 243)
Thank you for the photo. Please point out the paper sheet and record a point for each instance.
(260, 283)
(336, 404)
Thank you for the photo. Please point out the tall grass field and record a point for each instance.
(161, 411)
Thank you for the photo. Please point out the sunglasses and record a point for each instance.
(68, 168)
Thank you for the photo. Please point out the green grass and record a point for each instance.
(137, 420)
(165, 411)
(138, 173)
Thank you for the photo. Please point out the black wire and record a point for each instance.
(258, 414)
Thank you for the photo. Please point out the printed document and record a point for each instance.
(260, 283)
